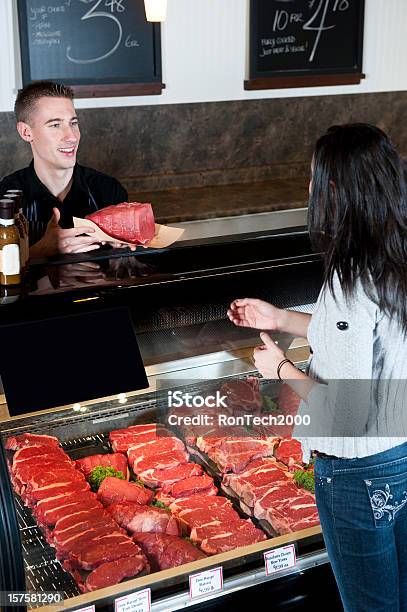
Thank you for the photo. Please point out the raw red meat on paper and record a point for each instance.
(27, 439)
(137, 518)
(243, 396)
(116, 460)
(166, 551)
(160, 478)
(113, 572)
(113, 490)
(129, 221)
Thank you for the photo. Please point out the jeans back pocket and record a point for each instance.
(387, 495)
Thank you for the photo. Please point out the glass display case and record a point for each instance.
(176, 300)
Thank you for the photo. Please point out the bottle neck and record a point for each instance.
(6, 222)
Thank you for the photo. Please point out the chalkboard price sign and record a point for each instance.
(100, 47)
(299, 43)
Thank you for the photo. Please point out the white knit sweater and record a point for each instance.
(359, 406)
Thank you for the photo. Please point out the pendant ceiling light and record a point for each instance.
(156, 10)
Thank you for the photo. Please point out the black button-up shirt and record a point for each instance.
(90, 191)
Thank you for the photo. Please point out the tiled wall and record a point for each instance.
(190, 145)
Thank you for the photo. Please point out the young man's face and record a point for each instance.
(53, 133)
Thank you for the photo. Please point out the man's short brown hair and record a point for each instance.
(29, 96)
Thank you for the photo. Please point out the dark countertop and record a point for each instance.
(176, 205)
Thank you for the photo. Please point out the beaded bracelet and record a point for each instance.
(280, 365)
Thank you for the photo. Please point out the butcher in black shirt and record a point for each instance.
(56, 188)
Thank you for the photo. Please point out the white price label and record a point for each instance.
(135, 602)
(206, 583)
(280, 559)
(87, 609)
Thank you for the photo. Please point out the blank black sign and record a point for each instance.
(300, 37)
(69, 359)
(88, 41)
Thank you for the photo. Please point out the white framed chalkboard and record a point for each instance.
(302, 43)
(99, 47)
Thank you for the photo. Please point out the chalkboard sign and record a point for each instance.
(300, 43)
(100, 47)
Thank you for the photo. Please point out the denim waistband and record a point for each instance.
(326, 466)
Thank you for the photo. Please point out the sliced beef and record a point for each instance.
(243, 534)
(78, 520)
(161, 478)
(27, 439)
(50, 476)
(289, 452)
(163, 461)
(113, 490)
(27, 471)
(113, 572)
(154, 448)
(201, 502)
(50, 510)
(142, 519)
(54, 490)
(242, 396)
(166, 551)
(102, 550)
(73, 543)
(116, 460)
(189, 486)
(129, 221)
(38, 450)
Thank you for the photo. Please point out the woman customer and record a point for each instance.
(355, 389)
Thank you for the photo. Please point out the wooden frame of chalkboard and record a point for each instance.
(83, 43)
(305, 43)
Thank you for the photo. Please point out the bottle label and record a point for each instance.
(11, 259)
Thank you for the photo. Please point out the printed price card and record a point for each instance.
(206, 583)
(135, 602)
(280, 559)
(87, 609)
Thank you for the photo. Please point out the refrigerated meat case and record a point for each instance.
(177, 298)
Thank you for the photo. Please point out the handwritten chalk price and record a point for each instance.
(135, 602)
(206, 583)
(279, 559)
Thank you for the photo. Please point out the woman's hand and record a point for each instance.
(268, 357)
(249, 312)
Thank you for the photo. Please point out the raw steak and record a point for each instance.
(73, 543)
(201, 517)
(129, 222)
(161, 478)
(113, 490)
(50, 476)
(57, 489)
(289, 452)
(242, 534)
(154, 447)
(115, 460)
(28, 470)
(237, 462)
(219, 434)
(163, 461)
(102, 550)
(77, 519)
(202, 502)
(27, 453)
(113, 572)
(189, 486)
(166, 551)
(248, 484)
(16, 442)
(137, 518)
(48, 511)
(168, 499)
(242, 396)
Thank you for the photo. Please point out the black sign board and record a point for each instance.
(70, 359)
(101, 47)
(296, 43)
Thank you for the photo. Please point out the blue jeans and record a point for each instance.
(362, 505)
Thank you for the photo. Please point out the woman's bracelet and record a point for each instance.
(280, 365)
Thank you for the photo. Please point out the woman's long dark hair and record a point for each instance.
(358, 214)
